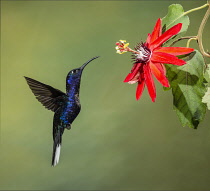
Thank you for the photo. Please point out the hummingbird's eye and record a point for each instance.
(75, 71)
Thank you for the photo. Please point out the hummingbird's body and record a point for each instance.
(65, 105)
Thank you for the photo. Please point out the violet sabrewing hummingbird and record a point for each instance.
(65, 105)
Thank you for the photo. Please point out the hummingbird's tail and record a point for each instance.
(56, 149)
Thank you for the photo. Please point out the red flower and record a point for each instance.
(149, 58)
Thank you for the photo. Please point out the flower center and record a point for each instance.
(142, 54)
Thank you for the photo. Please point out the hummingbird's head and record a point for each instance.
(78, 71)
(74, 75)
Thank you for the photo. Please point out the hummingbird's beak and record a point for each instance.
(86, 63)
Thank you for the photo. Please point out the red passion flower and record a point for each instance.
(149, 58)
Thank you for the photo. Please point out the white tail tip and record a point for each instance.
(57, 154)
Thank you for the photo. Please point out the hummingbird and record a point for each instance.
(66, 106)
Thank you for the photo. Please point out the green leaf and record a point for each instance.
(206, 98)
(207, 74)
(188, 89)
(175, 15)
(208, 70)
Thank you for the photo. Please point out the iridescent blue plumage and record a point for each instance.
(65, 105)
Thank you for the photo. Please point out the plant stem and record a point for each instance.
(195, 9)
(182, 38)
(188, 42)
(200, 32)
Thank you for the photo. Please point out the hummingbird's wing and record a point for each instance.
(50, 97)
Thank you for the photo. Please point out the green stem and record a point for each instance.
(200, 32)
(182, 38)
(188, 42)
(195, 9)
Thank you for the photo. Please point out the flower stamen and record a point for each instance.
(143, 54)
(123, 48)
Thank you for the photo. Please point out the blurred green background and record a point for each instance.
(116, 143)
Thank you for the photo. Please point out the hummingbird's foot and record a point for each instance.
(68, 126)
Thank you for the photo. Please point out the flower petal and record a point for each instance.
(148, 38)
(174, 50)
(149, 82)
(156, 31)
(163, 68)
(166, 35)
(133, 73)
(157, 70)
(139, 89)
(135, 79)
(165, 58)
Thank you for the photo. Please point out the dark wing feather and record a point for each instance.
(50, 97)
